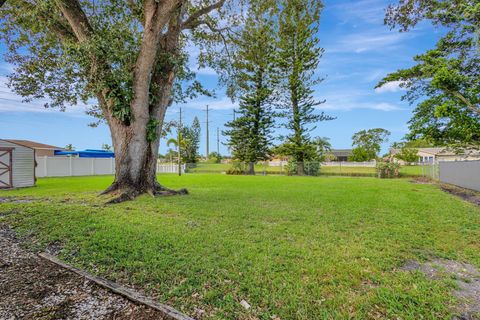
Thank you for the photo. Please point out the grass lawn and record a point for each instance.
(292, 247)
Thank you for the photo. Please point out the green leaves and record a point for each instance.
(152, 129)
(250, 135)
(298, 58)
(368, 143)
(445, 82)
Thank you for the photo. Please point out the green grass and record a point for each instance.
(293, 247)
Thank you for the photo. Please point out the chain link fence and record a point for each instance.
(354, 169)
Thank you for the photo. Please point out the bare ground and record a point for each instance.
(465, 194)
(33, 288)
(467, 278)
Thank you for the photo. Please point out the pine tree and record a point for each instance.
(298, 58)
(250, 135)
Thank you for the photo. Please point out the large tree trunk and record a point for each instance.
(251, 168)
(301, 168)
(135, 166)
(136, 157)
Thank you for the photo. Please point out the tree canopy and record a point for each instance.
(250, 134)
(367, 143)
(128, 56)
(446, 79)
(298, 58)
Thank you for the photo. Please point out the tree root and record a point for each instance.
(111, 189)
(164, 191)
(130, 193)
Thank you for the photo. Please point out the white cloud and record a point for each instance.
(223, 103)
(11, 102)
(380, 106)
(369, 11)
(385, 106)
(393, 86)
(355, 99)
(371, 40)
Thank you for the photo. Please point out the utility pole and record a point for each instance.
(179, 138)
(208, 135)
(218, 140)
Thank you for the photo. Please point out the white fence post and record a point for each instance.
(45, 166)
(70, 164)
(93, 166)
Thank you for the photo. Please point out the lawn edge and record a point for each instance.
(119, 289)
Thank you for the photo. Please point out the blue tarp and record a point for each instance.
(88, 153)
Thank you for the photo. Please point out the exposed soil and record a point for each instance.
(465, 194)
(422, 180)
(33, 288)
(467, 278)
(15, 200)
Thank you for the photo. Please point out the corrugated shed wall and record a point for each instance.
(23, 159)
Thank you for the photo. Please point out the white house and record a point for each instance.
(432, 155)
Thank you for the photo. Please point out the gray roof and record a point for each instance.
(341, 152)
(437, 151)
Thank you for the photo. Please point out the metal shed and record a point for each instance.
(17, 165)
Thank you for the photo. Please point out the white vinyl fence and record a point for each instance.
(465, 174)
(72, 166)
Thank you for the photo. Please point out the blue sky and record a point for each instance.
(359, 51)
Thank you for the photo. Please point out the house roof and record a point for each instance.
(437, 151)
(341, 152)
(33, 144)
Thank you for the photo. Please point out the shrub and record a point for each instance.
(214, 157)
(238, 168)
(388, 170)
(312, 168)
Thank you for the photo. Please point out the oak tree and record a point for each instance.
(128, 56)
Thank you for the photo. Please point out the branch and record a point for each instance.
(191, 21)
(56, 24)
(76, 17)
(471, 106)
(136, 11)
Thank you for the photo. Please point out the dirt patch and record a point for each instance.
(422, 180)
(32, 288)
(466, 194)
(466, 276)
(15, 200)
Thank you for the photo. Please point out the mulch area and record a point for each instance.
(33, 288)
